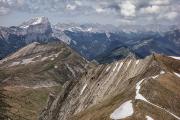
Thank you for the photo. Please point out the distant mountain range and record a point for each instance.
(104, 43)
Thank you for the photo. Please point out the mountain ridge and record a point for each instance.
(90, 40)
(36, 70)
(106, 87)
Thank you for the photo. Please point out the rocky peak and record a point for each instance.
(35, 21)
(37, 25)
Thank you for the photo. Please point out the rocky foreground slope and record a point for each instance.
(30, 74)
(129, 89)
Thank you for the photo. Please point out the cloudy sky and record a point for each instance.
(116, 12)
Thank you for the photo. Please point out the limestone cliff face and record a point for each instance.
(151, 85)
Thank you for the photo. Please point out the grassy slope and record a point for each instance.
(27, 103)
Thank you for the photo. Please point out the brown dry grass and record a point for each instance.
(27, 103)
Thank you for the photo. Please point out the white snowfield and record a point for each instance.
(141, 97)
(125, 110)
(175, 57)
(149, 118)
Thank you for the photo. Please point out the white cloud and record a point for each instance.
(78, 3)
(171, 15)
(159, 2)
(100, 10)
(4, 11)
(71, 7)
(20, 2)
(150, 9)
(125, 21)
(128, 9)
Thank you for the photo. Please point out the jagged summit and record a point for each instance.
(35, 21)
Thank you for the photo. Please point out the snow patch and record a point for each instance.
(108, 35)
(125, 110)
(162, 72)
(140, 97)
(149, 118)
(175, 57)
(38, 21)
(44, 58)
(56, 55)
(55, 66)
(14, 64)
(154, 77)
(25, 26)
(84, 87)
(52, 59)
(90, 29)
(27, 61)
(137, 62)
(177, 74)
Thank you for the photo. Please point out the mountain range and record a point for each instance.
(89, 72)
(92, 40)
